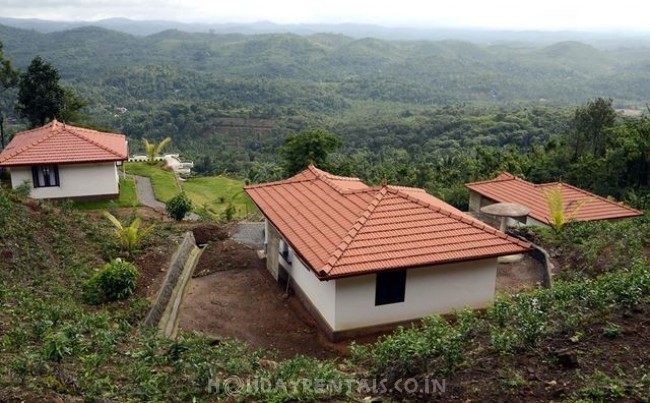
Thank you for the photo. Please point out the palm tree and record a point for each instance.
(154, 149)
(129, 237)
(559, 215)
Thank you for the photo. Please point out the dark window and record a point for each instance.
(284, 251)
(45, 176)
(391, 287)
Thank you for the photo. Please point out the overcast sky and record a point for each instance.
(506, 14)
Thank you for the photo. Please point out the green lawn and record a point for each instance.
(164, 182)
(214, 193)
(127, 198)
(209, 193)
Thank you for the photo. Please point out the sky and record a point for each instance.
(624, 15)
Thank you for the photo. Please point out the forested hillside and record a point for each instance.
(423, 113)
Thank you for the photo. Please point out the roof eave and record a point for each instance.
(438, 263)
(26, 164)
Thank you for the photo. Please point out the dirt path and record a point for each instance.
(248, 305)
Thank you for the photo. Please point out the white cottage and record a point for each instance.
(60, 161)
(364, 258)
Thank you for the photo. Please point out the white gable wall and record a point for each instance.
(77, 180)
(349, 303)
(434, 289)
(321, 294)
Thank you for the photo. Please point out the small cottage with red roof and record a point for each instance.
(580, 204)
(60, 161)
(364, 258)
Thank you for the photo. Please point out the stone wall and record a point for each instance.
(273, 251)
(173, 272)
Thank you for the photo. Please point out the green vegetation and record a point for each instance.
(130, 237)
(215, 194)
(312, 146)
(155, 149)
(178, 206)
(210, 194)
(163, 182)
(52, 342)
(41, 98)
(115, 281)
(127, 198)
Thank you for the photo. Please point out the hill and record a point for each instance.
(584, 339)
(148, 27)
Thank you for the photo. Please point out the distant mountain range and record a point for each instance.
(143, 28)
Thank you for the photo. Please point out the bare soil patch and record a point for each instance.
(205, 233)
(153, 265)
(240, 299)
(519, 276)
(226, 255)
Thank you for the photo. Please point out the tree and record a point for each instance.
(591, 123)
(71, 106)
(40, 98)
(153, 149)
(311, 146)
(8, 79)
(178, 206)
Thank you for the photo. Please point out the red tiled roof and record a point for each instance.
(58, 143)
(342, 227)
(511, 189)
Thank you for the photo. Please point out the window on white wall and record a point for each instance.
(285, 251)
(45, 176)
(391, 287)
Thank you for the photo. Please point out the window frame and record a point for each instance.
(46, 173)
(390, 287)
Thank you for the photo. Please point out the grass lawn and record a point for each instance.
(164, 182)
(215, 192)
(127, 198)
(209, 193)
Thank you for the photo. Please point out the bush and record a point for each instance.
(116, 281)
(178, 206)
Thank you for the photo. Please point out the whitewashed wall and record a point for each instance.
(349, 303)
(77, 180)
(322, 294)
(435, 289)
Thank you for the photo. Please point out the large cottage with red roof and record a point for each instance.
(580, 204)
(60, 161)
(364, 258)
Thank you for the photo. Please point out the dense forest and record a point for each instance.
(421, 113)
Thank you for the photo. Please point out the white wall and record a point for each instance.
(436, 289)
(76, 180)
(321, 293)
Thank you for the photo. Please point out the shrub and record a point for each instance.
(178, 206)
(116, 281)
(129, 237)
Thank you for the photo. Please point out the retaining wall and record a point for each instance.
(173, 272)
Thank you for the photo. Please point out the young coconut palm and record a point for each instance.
(154, 149)
(129, 237)
(559, 215)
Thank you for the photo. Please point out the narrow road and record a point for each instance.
(144, 190)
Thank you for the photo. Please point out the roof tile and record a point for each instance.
(507, 188)
(58, 143)
(342, 227)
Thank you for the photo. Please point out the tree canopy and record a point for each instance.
(40, 97)
(311, 146)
